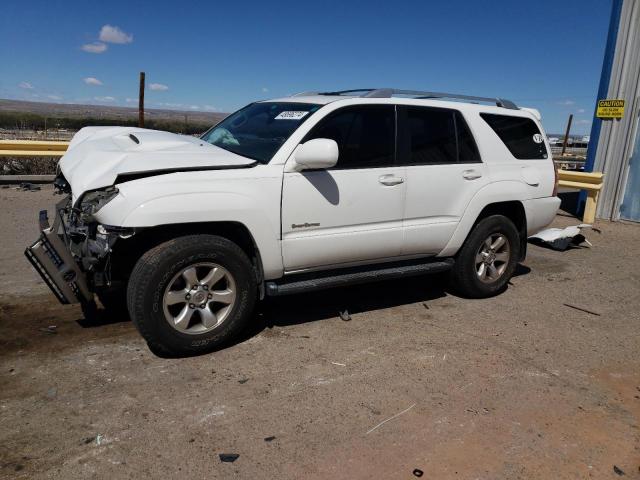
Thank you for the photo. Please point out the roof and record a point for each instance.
(324, 98)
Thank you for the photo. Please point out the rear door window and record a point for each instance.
(435, 136)
(365, 135)
(519, 134)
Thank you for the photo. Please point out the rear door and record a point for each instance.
(353, 211)
(443, 170)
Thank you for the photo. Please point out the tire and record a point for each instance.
(162, 276)
(468, 277)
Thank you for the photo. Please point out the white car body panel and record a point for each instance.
(360, 220)
(97, 155)
(353, 217)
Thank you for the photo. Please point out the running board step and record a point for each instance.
(321, 280)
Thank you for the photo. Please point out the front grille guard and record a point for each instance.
(53, 261)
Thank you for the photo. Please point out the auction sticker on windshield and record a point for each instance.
(291, 115)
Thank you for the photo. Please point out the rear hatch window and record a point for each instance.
(519, 134)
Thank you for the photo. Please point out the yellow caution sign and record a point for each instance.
(610, 109)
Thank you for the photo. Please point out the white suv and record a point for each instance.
(311, 191)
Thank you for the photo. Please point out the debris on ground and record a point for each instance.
(339, 364)
(52, 329)
(581, 309)
(243, 381)
(99, 439)
(424, 304)
(228, 457)
(269, 439)
(344, 316)
(28, 187)
(390, 418)
(417, 472)
(618, 471)
(562, 238)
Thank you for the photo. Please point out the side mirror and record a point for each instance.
(318, 153)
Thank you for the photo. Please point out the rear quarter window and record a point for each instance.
(520, 135)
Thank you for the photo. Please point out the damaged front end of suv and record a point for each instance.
(72, 255)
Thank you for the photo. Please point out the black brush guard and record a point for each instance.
(53, 261)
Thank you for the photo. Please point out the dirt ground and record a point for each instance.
(515, 387)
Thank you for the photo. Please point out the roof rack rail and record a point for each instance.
(390, 92)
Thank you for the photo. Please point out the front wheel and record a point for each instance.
(487, 259)
(191, 294)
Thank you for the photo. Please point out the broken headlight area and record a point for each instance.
(91, 202)
(60, 184)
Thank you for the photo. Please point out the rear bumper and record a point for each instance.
(53, 261)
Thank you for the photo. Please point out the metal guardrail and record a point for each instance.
(32, 148)
(589, 181)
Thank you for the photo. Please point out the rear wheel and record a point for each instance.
(191, 294)
(487, 259)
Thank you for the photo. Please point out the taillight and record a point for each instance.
(555, 180)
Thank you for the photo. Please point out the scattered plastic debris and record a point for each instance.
(52, 329)
(339, 364)
(618, 471)
(424, 304)
(28, 187)
(561, 238)
(99, 439)
(243, 381)
(344, 316)
(269, 439)
(582, 309)
(228, 457)
(417, 472)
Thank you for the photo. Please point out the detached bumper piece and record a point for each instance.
(52, 260)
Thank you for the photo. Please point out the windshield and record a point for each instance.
(259, 130)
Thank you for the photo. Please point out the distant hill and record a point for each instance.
(67, 110)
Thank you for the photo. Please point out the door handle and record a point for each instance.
(390, 180)
(471, 174)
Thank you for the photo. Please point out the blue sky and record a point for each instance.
(222, 55)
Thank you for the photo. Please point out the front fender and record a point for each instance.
(190, 198)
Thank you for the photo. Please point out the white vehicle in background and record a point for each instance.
(312, 191)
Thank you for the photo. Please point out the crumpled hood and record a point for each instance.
(98, 155)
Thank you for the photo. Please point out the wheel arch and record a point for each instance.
(498, 198)
(514, 211)
(126, 252)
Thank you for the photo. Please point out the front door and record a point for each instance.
(353, 211)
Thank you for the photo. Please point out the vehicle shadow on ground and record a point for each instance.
(290, 310)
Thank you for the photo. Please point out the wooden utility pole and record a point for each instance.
(566, 134)
(141, 102)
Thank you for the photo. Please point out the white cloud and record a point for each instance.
(104, 99)
(566, 103)
(92, 81)
(265, 89)
(54, 97)
(131, 100)
(95, 47)
(581, 110)
(194, 107)
(583, 122)
(111, 34)
(158, 87)
(25, 85)
(210, 108)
